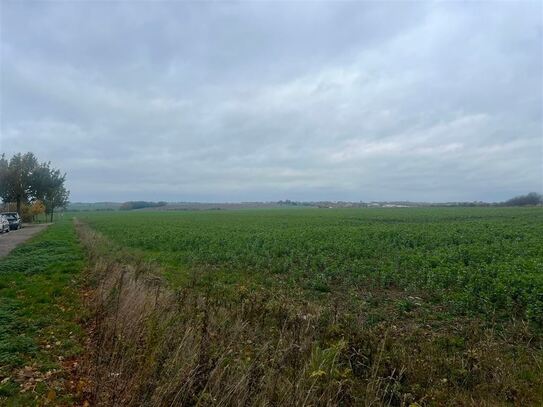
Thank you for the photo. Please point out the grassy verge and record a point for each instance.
(39, 309)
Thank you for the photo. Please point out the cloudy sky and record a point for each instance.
(237, 101)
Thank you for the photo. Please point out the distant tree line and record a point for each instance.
(127, 206)
(530, 199)
(533, 198)
(92, 210)
(26, 181)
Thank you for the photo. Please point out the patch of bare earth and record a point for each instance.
(12, 239)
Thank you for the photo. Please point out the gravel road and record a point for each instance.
(8, 241)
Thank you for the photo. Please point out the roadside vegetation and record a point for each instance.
(40, 308)
(317, 307)
(30, 187)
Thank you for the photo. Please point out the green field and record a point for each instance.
(399, 307)
(480, 260)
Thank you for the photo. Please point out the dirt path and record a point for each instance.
(8, 241)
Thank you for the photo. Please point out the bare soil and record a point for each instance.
(9, 241)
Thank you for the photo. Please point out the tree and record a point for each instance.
(58, 198)
(533, 198)
(40, 182)
(4, 178)
(47, 185)
(15, 177)
(23, 179)
(37, 208)
(127, 206)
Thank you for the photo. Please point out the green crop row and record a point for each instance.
(481, 260)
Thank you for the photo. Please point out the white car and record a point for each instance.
(4, 224)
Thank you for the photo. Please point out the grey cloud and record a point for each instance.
(250, 101)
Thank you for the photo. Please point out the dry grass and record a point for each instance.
(153, 346)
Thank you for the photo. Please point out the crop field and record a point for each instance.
(483, 260)
(440, 306)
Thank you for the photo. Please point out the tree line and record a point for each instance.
(533, 198)
(24, 180)
(127, 206)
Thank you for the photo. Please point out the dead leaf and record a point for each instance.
(51, 395)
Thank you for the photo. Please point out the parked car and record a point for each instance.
(4, 224)
(15, 221)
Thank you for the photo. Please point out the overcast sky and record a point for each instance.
(264, 101)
